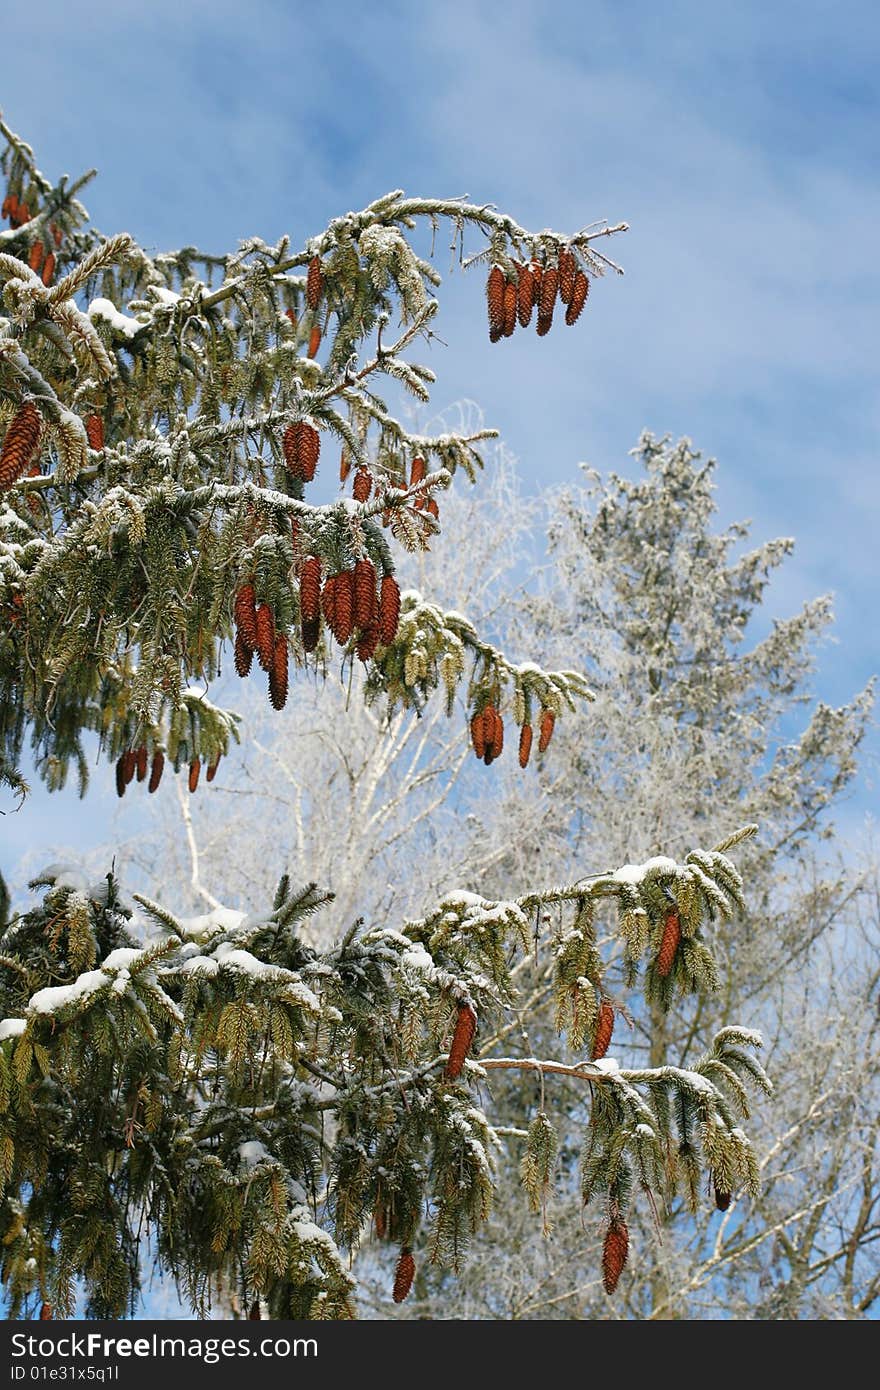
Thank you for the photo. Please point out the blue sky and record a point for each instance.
(740, 143)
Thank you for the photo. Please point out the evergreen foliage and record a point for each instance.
(220, 1092)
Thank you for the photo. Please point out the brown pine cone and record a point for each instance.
(35, 259)
(614, 1253)
(432, 508)
(120, 776)
(265, 644)
(310, 589)
(311, 631)
(344, 606)
(129, 765)
(140, 762)
(314, 340)
(255, 1315)
(722, 1197)
(212, 770)
(525, 295)
(510, 306)
(380, 1220)
(301, 446)
(525, 744)
(669, 943)
(604, 1029)
(20, 443)
(195, 768)
(328, 602)
(567, 271)
(537, 278)
(465, 1028)
(278, 675)
(368, 641)
(364, 593)
(488, 734)
(495, 302)
(578, 298)
(244, 655)
(46, 1313)
(362, 485)
(389, 609)
(404, 1275)
(314, 282)
(549, 286)
(95, 432)
(48, 274)
(478, 737)
(547, 725)
(156, 770)
(344, 466)
(418, 471)
(245, 614)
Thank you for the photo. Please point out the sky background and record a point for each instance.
(739, 142)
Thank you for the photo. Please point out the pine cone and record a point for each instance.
(669, 943)
(343, 598)
(301, 446)
(46, 1313)
(567, 272)
(549, 286)
(314, 340)
(389, 609)
(604, 1029)
(525, 295)
(311, 631)
(498, 740)
(195, 768)
(278, 674)
(547, 725)
(49, 269)
(35, 259)
(404, 1275)
(129, 764)
(362, 485)
(291, 315)
(310, 590)
(510, 305)
(255, 1315)
(380, 1220)
(364, 593)
(722, 1197)
(244, 655)
(265, 644)
(314, 282)
(432, 508)
(488, 734)
(156, 770)
(614, 1253)
(525, 744)
(344, 466)
(478, 737)
(495, 302)
(20, 443)
(140, 762)
(418, 471)
(212, 770)
(578, 298)
(95, 432)
(465, 1028)
(537, 278)
(328, 602)
(368, 641)
(120, 776)
(245, 614)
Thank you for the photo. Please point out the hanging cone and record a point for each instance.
(314, 282)
(495, 302)
(525, 744)
(344, 465)
(368, 641)
(278, 674)
(255, 1315)
(120, 776)
(362, 485)
(291, 314)
(604, 1029)
(244, 655)
(389, 609)
(314, 340)
(310, 589)
(404, 1275)
(510, 305)
(35, 259)
(478, 737)
(328, 602)
(344, 606)
(48, 274)
(465, 1028)
(140, 762)
(525, 295)
(212, 770)
(722, 1197)
(20, 443)
(614, 1253)
(567, 273)
(46, 1314)
(549, 286)
(265, 644)
(547, 725)
(418, 471)
(579, 294)
(129, 765)
(311, 631)
(537, 278)
(364, 593)
(156, 770)
(245, 614)
(380, 1220)
(195, 768)
(95, 432)
(669, 943)
(301, 446)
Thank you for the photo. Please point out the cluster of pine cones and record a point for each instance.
(255, 632)
(134, 762)
(40, 262)
(487, 735)
(511, 301)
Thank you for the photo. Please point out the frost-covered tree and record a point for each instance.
(219, 1090)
